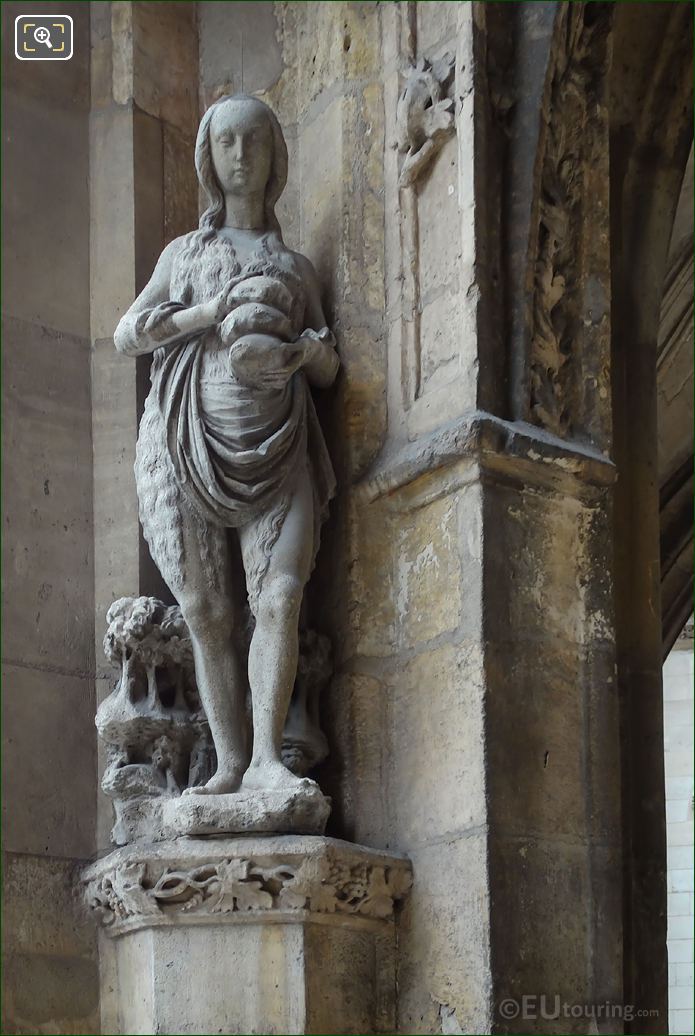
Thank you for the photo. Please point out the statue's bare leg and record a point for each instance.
(208, 612)
(275, 645)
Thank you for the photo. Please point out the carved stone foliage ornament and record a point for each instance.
(230, 449)
(131, 890)
(153, 725)
(567, 276)
(424, 116)
(424, 120)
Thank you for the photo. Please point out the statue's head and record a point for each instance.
(240, 150)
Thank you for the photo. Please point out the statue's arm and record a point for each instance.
(322, 363)
(154, 320)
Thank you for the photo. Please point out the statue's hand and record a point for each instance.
(315, 342)
(265, 361)
(320, 359)
(220, 306)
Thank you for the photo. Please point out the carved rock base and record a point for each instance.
(265, 934)
(304, 811)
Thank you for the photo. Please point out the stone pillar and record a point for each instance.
(143, 192)
(649, 149)
(50, 968)
(476, 707)
(271, 935)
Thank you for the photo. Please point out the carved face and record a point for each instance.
(241, 143)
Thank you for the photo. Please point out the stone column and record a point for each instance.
(143, 192)
(271, 935)
(649, 149)
(476, 708)
(50, 969)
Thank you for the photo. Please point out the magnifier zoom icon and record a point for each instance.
(42, 35)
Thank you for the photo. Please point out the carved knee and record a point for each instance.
(208, 617)
(280, 600)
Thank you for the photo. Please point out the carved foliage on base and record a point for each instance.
(135, 890)
(575, 116)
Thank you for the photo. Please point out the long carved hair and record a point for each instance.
(213, 216)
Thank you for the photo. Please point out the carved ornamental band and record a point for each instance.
(143, 889)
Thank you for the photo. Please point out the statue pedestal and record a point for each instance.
(258, 934)
(302, 811)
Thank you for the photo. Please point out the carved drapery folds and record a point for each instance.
(569, 317)
(153, 725)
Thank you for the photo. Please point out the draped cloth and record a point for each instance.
(230, 453)
(235, 449)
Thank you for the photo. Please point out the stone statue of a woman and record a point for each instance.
(229, 438)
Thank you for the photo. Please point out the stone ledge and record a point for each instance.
(503, 449)
(254, 879)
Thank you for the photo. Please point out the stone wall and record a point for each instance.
(463, 572)
(49, 752)
(143, 193)
(678, 766)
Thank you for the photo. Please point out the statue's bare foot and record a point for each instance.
(272, 775)
(221, 783)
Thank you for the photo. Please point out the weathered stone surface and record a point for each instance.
(150, 885)
(372, 583)
(302, 810)
(428, 582)
(228, 45)
(467, 579)
(357, 707)
(435, 746)
(48, 763)
(148, 37)
(284, 935)
(424, 115)
(50, 970)
(47, 564)
(36, 287)
(40, 913)
(47, 993)
(444, 951)
(156, 737)
(568, 873)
